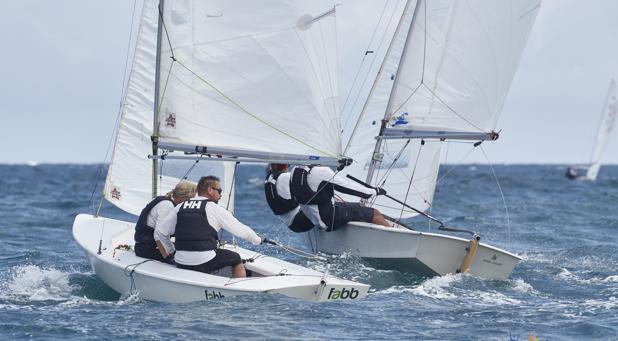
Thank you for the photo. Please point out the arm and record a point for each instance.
(224, 219)
(163, 231)
(343, 185)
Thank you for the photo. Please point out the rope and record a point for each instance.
(506, 210)
(129, 273)
(412, 177)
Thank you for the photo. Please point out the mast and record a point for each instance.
(155, 128)
(376, 157)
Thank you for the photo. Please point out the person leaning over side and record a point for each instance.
(196, 224)
(279, 199)
(314, 188)
(155, 211)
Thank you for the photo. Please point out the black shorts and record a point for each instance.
(150, 251)
(301, 223)
(222, 259)
(343, 213)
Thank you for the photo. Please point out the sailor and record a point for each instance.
(196, 224)
(279, 199)
(152, 214)
(314, 188)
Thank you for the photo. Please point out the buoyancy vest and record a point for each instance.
(303, 194)
(193, 232)
(143, 232)
(277, 203)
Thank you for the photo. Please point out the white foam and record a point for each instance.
(37, 284)
(435, 287)
(608, 303)
(493, 298)
(521, 286)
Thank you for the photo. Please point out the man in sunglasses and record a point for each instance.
(196, 224)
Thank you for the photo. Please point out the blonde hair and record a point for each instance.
(183, 190)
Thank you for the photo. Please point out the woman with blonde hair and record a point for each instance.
(156, 210)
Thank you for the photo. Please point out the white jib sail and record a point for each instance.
(608, 120)
(454, 75)
(258, 76)
(413, 162)
(129, 178)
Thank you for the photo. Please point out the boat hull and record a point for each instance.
(128, 274)
(427, 254)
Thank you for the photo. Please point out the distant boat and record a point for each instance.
(606, 125)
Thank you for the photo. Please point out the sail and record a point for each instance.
(458, 66)
(448, 69)
(413, 176)
(129, 178)
(608, 119)
(253, 77)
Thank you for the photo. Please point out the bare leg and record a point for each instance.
(238, 271)
(378, 219)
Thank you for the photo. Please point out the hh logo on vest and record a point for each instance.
(192, 204)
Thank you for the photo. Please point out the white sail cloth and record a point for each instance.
(606, 125)
(129, 178)
(449, 68)
(257, 76)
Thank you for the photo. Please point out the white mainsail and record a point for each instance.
(129, 179)
(608, 120)
(255, 78)
(452, 70)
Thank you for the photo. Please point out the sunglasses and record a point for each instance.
(219, 190)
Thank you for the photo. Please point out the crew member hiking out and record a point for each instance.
(196, 224)
(279, 199)
(313, 187)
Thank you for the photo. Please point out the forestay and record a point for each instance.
(608, 120)
(129, 178)
(394, 177)
(251, 76)
(446, 76)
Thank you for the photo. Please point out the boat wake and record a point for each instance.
(25, 285)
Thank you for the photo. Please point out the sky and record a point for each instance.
(63, 63)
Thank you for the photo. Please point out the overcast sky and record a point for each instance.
(62, 67)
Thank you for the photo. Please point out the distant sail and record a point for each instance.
(606, 125)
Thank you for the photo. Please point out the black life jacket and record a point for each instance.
(303, 194)
(193, 232)
(277, 204)
(143, 232)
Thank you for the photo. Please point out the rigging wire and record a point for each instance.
(367, 75)
(506, 210)
(363, 60)
(418, 155)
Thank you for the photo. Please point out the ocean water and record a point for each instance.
(566, 287)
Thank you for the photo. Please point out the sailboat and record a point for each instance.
(445, 77)
(606, 125)
(227, 86)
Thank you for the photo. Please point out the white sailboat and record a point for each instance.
(606, 125)
(445, 77)
(222, 81)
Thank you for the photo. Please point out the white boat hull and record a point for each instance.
(128, 274)
(427, 254)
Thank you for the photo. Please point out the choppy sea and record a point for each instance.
(566, 287)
